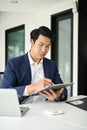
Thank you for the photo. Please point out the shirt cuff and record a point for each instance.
(25, 92)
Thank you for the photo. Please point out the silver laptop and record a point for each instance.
(9, 104)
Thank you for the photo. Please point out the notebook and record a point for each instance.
(9, 104)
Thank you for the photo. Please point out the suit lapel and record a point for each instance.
(46, 68)
(27, 68)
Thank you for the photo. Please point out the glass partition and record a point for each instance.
(64, 49)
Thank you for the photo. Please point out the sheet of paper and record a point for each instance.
(77, 102)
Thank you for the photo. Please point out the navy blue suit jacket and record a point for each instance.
(18, 74)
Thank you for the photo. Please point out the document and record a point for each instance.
(54, 87)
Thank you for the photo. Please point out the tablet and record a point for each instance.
(54, 87)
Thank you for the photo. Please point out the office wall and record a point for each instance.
(1, 45)
(31, 21)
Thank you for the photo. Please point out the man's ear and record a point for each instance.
(32, 42)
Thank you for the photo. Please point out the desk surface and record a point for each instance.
(35, 119)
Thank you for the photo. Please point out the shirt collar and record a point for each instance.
(31, 60)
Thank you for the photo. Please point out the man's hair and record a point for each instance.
(42, 31)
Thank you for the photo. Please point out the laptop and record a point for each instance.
(9, 104)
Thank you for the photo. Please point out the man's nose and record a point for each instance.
(44, 49)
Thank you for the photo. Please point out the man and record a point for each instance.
(32, 71)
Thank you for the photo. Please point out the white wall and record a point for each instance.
(2, 44)
(31, 21)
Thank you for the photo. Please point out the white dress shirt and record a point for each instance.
(36, 74)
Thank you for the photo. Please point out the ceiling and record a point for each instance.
(30, 6)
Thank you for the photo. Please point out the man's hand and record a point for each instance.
(39, 85)
(52, 95)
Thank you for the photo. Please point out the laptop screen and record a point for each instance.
(9, 104)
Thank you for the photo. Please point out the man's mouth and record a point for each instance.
(42, 54)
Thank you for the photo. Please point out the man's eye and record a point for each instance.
(47, 46)
(41, 44)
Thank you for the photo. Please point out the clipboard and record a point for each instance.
(54, 87)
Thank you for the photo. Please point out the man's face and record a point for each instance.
(40, 47)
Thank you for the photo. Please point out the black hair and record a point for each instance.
(42, 31)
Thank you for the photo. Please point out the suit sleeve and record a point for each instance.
(10, 80)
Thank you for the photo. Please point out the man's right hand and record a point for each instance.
(39, 85)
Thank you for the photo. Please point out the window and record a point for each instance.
(62, 49)
(1, 76)
(15, 41)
